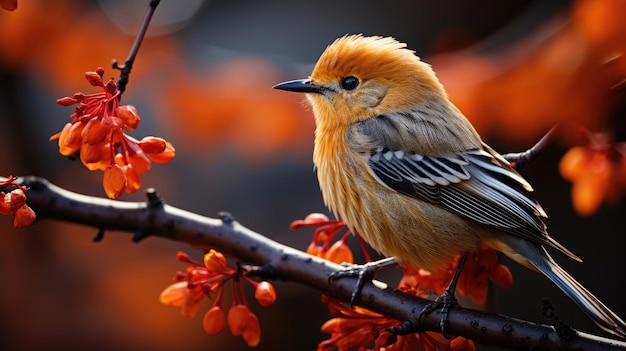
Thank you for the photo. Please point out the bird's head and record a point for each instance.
(360, 77)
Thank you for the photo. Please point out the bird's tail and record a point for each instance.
(594, 308)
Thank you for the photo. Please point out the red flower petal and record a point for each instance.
(24, 216)
(166, 156)
(214, 320)
(238, 319)
(129, 115)
(114, 181)
(252, 332)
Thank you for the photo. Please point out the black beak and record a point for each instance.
(300, 86)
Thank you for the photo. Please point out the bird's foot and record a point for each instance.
(407, 327)
(363, 273)
(446, 301)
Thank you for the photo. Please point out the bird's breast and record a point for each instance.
(337, 173)
(415, 232)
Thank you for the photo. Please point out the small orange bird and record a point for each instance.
(404, 168)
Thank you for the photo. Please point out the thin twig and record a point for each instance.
(520, 159)
(128, 64)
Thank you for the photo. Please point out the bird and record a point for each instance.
(404, 168)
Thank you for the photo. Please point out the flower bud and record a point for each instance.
(152, 145)
(339, 252)
(214, 320)
(94, 132)
(110, 87)
(252, 333)
(94, 79)
(215, 261)
(238, 318)
(66, 101)
(265, 294)
(24, 216)
(129, 115)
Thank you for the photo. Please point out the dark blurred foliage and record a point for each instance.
(203, 81)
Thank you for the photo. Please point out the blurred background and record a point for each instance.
(203, 79)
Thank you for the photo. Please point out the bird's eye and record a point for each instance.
(349, 83)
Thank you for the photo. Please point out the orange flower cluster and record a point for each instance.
(208, 279)
(355, 328)
(597, 172)
(14, 203)
(361, 329)
(481, 266)
(422, 283)
(96, 132)
(322, 243)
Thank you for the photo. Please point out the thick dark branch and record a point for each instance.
(228, 236)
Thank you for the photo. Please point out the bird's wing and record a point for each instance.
(476, 184)
(473, 185)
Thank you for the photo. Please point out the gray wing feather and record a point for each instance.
(472, 184)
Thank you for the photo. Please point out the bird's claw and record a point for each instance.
(407, 327)
(446, 301)
(363, 273)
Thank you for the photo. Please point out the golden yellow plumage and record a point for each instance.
(402, 166)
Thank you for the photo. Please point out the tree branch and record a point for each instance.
(225, 234)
